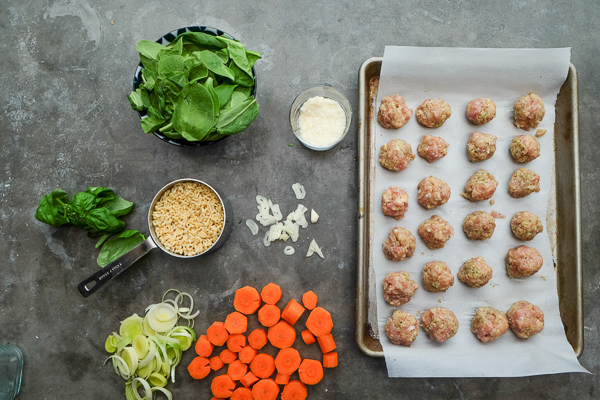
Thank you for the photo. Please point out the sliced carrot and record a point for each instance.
(330, 360)
(308, 337)
(319, 322)
(228, 356)
(257, 338)
(236, 370)
(217, 334)
(216, 363)
(236, 342)
(265, 389)
(281, 379)
(199, 367)
(236, 323)
(326, 343)
(204, 347)
(294, 390)
(282, 335)
(271, 293)
(309, 299)
(263, 365)
(287, 361)
(241, 393)
(292, 312)
(269, 315)
(246, 300)
(249, 379)
(247, 354)
(222, 386)
(310, 371)
(216, 398)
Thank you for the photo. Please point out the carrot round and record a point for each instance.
(236, 342)
(309, 299)
(222, 386)
(282, 379)
(326, 343)
(236, 370)
(216, 363)
(236, 323)
(269, 315)
(241, 393)
(265, 389)
(319, 322)
(308, 337)
(228, 356)
(282, 335)
(247, 354)
(246, 300)
(271, 293)
(263, 365)
(199, 367)
(292, 312)
(330, 360)
(287, 361)
(310, 371)
(257, 338)
(217, 334)
(294, 390)
(204, 347)
(249, 379)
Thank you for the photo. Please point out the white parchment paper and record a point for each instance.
(459, 75)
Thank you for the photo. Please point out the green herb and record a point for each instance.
(291, 144)
(197, 88)
(118, 246)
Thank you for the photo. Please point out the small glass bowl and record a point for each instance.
(327, 92)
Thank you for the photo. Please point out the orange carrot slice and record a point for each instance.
(330, 360)
(319, 322)
(222, 386)
(217, 334)
(282, 379)
(309, 299)
(236, 342)
(228, 356)
(294, 390)
(265, 389)
(287, 361)
(216, 363)
(247, 354)
(292, 312)
(257, 338)
(204, 347)
(199, 367)
(249, 379)
(308, 337)
(326, 343)
(246, 300)
(310, 371)
(236, 370)
(236, 323)
(241, 393)
(263, 365)
(282, 335)
(269, 315)
(271, 293)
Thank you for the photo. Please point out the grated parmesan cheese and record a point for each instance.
(322, 121)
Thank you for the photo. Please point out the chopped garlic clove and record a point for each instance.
(288, 250)
(299, 191)
(314, 217)
(314, 248)
(252, 225)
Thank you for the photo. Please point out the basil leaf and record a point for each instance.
(50, 209)
(115, 248)
(118, 206)
(99, 221)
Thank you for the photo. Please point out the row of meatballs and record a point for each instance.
(394, 113)
(524, 318)
(397, 154)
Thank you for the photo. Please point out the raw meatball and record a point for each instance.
(475, 272)
(393, 112)
(433, 113)
(523, 182)
(523, 261)
(398, 288)
(525, 225)
(529, 111)
(481, 111)
(481, 146)
(396, 155)
(489, 324)
(524, 148)
(479, 225)
(399, 244)
(402, 328)
(394, 202)
(435, 232)
(525, 319)
(432, 148)
(433, 192)
(481, 186)
(437, 277)
(440, 323)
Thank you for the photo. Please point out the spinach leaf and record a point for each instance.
(149, 49)
(208, 84)
(240, 76)
(237, 118)
(136, 100)
(118, 246)
(194, 114)
(213, 63)
(153, 122)
(224, 93)
(237, 52)
(50, 209)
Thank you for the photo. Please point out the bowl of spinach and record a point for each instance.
(195, 86)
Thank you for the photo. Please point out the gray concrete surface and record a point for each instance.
(65, 70)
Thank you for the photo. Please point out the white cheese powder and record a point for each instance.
(322, 121)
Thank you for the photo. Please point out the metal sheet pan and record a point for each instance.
(564, 211)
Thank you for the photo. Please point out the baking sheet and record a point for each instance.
(459, 75)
